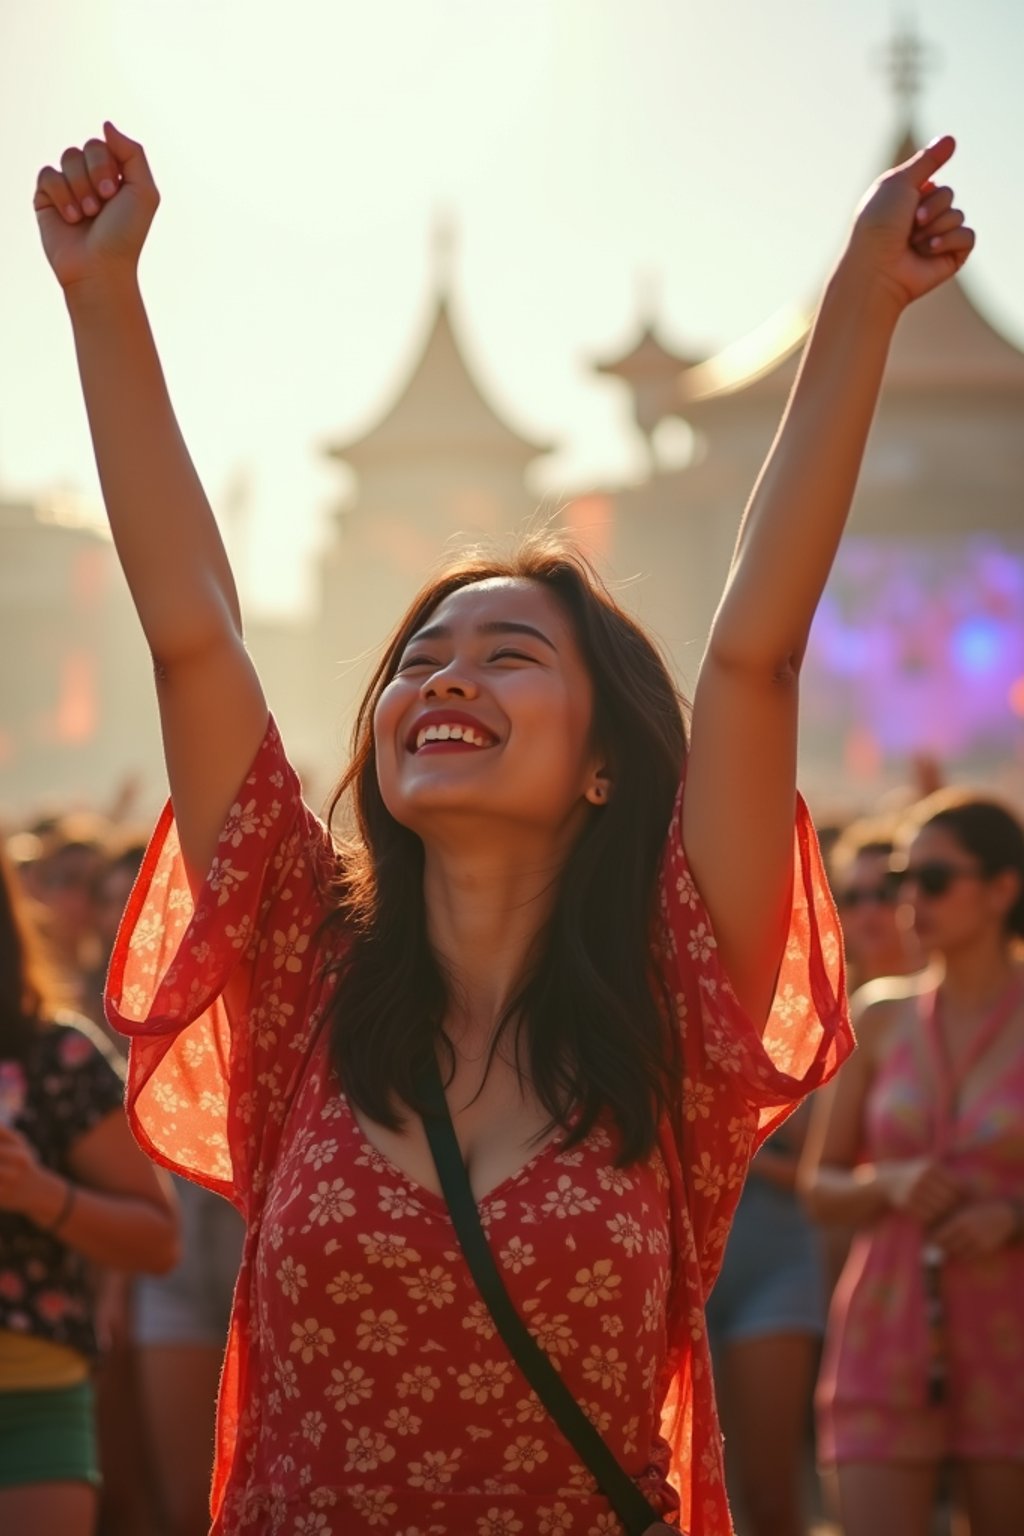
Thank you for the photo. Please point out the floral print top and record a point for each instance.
(65, 1084)
(365, 1387)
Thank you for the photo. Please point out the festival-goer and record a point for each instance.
(71, 874)
(111, 887)
(919, 1145)
(131, 1460)
(625, 987)
(180, 1333)
(74, 1189)
(165, 1367)
(766, 1317)
(71, 857)
(877, 939)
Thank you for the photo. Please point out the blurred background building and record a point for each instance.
(918, 648)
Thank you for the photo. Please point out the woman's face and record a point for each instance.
(110, 901)
(66, 889)
(952, 902)
(489, 716)
(867, 901)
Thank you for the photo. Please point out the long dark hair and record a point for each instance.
(987, 830)
(589, 1017)
(27, 990)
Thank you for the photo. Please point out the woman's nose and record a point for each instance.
(450, 681)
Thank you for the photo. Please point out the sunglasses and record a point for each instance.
(884, 895)
(935, 877)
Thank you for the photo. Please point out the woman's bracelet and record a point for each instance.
(67, 1205)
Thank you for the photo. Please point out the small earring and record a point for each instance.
(598, 792)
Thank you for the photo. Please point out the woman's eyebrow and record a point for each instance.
(491, 627)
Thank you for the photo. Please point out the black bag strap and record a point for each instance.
(638, 1516)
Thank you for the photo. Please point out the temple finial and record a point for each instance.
(649, 288)
(445, 244)
(906, 59)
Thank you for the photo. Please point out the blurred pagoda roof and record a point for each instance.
(441, 409)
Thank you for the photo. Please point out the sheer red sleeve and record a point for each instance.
(216, 993)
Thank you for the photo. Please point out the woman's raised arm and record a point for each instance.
(906, 240)
(94, 215)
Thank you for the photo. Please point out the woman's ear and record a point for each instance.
(600, 788)
(1005, 888)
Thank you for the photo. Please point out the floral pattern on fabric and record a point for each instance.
(70, 1084)
(872, 1397)
(365, 1387)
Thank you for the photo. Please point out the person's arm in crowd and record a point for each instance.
(837, 1182)
(115, 1208)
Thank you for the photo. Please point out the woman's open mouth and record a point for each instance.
(452, 736)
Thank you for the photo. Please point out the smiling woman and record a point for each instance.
(572, 799)
(613, 949)
(532, 700)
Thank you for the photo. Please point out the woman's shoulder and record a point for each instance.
(887, 1009)
(67, 1041)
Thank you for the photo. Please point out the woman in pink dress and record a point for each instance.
(920, 1146)
(625, 987)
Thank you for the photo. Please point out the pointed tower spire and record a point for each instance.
(649, 368)
(441, 408)
(650, 287)
(907, 59)
(445, 242)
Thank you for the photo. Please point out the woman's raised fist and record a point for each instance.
(907, 231)
(95, 212)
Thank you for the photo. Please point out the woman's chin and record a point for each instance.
(423, 805)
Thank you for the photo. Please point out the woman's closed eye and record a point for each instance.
(416, 661)
(509, 655)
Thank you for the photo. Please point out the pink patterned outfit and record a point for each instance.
(365, 1388)
(872, 1396)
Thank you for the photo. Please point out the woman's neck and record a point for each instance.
(976, 976)
(485, 913)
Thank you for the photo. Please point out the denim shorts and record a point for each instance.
(772, 1278)
(191, 1304)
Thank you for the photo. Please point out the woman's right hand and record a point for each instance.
(24, 1182)
(95, 212)
(920, 1187)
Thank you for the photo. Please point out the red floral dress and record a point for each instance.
(365, 1388)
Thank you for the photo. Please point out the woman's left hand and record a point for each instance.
(907, 233)
(20, 1171)
(976, 1230)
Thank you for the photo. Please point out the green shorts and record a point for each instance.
(48, 1436)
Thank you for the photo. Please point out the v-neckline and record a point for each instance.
(437, 1202)
(949, 1109)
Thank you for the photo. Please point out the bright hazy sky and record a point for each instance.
(305, 150)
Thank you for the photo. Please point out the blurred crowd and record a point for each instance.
(837, 1413)
(924, 886)
(159, 1337)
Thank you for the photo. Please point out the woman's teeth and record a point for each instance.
(465, 733)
